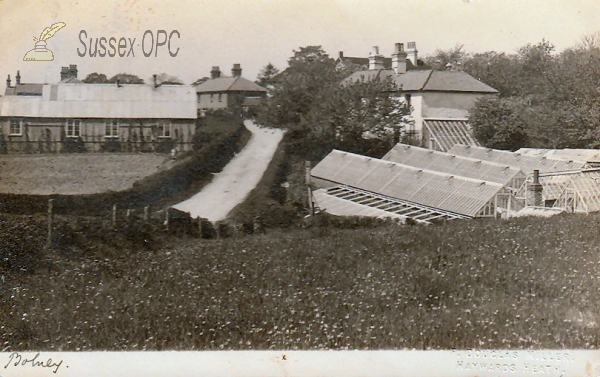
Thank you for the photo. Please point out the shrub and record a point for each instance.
(21, 244)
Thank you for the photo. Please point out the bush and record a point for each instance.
(73, 145)
(21, 244)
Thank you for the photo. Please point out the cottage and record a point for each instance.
(440, 100)
(221, 92)
(72, 116)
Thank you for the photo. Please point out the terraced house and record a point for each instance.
(440, 100)
(72, 116)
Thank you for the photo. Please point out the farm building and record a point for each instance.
(403, 190)
(506, 175)
(525, 162)
(440, 100)
(42, 118)
(221, 92)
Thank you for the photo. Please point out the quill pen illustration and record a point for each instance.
(50, 31)
(40, 52)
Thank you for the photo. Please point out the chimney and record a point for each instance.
(8, 82)
(341, 56)
(375, 59)
(73, 70)
(236, 71)
(18, 77)
(534, 191)
(399, 59)
(411, 50)
(215, 72)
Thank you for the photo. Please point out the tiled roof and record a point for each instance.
(446, 192)
(427, 80)
(229, 84)
(105, 101)
(447, 133)
(455, 165)
(24, 90)
(526, 163)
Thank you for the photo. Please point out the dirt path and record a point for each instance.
(231, 186)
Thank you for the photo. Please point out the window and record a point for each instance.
(111, 129)
(16, 127)
(164, 129)
(219, 97)
(73, 128)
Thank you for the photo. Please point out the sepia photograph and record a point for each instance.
(282, 179)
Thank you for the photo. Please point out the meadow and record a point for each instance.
(78, 174)
(486, 284)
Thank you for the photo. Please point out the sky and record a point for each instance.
(254, 33)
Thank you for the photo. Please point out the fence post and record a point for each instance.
(308, 188)
(49, 239)
(114, 216)
(145, 214)
(167, 218)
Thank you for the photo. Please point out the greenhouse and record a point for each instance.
(506, 175)
(405, 190)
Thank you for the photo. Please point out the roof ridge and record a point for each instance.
(427, 80)
(427, 171)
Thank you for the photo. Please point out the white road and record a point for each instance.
(231, 186)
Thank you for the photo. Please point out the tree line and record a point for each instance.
(546, 99)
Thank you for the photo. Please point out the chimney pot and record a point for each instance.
(236, 71)
(215, 72)
(399, 59)
(411, 49)
(8, 81)
(375, 60)
(18, 77)
(341, 56)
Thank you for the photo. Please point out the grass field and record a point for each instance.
(77, 174)
(523, 283)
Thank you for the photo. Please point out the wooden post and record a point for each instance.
(167, 218)
(308, 188)
(114, 216)
(145, 214)
(49, 239)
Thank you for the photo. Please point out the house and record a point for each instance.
(362, 64)
(73, 116)
(440, 100)
(220, 92)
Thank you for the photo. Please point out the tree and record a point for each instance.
(311, 99)
(310, 74)
(126, 78)
(444, 59)
(165, 79)
(95, 78)
(498, 123)
(267, 76)
(200, 81)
